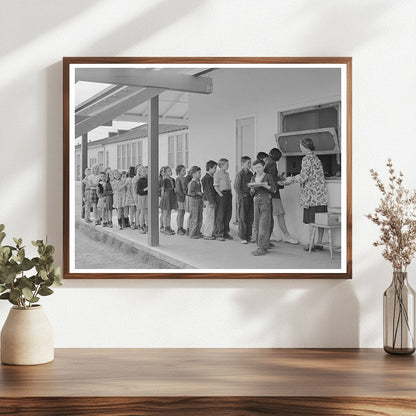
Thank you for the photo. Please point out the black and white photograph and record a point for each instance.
(184, 168)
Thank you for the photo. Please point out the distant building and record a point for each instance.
(129, 148)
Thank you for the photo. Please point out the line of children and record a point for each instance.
(128, 194)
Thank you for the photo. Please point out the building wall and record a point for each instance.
(380, 36)
(111, 148)
(263, 94)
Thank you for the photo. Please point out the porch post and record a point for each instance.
(153, 173)
(84, 165)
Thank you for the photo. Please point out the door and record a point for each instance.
(245, 145)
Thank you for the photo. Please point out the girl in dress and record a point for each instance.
(85, 202)
(187, 214)
(130, 202)
(142, 191)
(101, 201)
(91, 193)
(167, 200)
(108, 192)
(180, 196)
(119, 194)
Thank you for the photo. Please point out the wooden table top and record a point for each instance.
(214, 373)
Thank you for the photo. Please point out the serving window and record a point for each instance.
(321, 123)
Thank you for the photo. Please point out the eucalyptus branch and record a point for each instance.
(18, 286)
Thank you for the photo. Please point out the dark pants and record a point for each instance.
(195, 217)
(245, 217)
(223, 214)
(262, 217)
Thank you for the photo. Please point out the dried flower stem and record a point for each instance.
(396, 216)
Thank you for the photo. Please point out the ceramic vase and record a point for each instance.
(27, 337)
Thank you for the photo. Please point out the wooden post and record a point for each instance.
(153, 172)
(84, 165)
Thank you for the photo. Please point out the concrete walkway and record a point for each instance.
(186, 253)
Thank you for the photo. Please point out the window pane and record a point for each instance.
(140, 152)
(119, 156)
(186, 151)
(134, 154)
(171, 150)
(128, 155)
(123, 157)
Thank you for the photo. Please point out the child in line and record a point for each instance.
(208, 221)
(222, 185)
(180, 196)
(130, 202)
(277, 206)
(101, 201)
(91, 193)
(167, 200)
(108, 192)
(195, 203)
(245, 201)
(160, 193)
(186, 181)
(87, 173)
(119, 190)
(142, 202)
(262, 192)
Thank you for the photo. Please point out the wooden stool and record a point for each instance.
(325, 227)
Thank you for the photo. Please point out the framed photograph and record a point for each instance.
(207, 167)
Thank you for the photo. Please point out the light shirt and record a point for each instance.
(222, 180)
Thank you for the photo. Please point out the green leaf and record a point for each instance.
(24, 282)
(27, 293)
(49, 250)
(21, 255)
(9, 277)
(2, 288)
(58, 276)
(13, 302)
(2, 236)
(15, 294)
(43, 274)
(45, 291)
(17, 241)
(26, 264)
(1, 227)
(5, 295)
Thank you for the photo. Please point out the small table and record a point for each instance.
(325, 227)
(219, 382)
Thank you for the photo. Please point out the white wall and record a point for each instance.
(261, 93)
(380, 36)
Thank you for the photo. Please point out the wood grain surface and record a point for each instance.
(212, 381)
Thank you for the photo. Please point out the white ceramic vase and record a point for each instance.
(27, 337)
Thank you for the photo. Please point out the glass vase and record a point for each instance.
(399, 316)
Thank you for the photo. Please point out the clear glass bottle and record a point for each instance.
(399, 316)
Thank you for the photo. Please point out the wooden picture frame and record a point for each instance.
(117, 99)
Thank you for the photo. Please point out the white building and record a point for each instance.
(129, 148)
